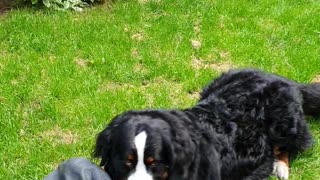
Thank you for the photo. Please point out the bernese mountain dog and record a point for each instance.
(245, 126)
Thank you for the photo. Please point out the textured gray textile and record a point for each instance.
(78, 169)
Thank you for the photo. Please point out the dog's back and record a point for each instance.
(268, 111)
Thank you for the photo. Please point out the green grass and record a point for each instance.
(64, 75)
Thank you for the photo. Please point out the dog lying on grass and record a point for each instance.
(245, 126)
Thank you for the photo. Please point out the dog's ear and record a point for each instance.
(103, 146)
(104, 140)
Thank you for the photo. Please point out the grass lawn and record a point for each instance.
(63, 75)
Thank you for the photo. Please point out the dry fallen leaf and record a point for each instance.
(196, 44)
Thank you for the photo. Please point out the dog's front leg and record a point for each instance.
(281, 164)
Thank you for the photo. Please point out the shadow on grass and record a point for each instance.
(6, 5)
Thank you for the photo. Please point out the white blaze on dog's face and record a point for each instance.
(136, 148)
(141, 169)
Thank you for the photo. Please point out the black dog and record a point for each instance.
(244, 126)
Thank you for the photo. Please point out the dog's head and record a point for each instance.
(145, 145)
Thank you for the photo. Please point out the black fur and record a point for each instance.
(228, 135)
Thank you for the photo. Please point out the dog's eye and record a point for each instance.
(150, 161)
(129, 161)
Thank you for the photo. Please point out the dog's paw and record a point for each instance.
(281, 170)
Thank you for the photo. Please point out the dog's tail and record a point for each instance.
(311, 99)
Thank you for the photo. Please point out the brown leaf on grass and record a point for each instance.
(59, 136)
(316, 79)
(196, 44)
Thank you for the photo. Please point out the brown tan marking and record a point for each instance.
(281, 165)
(281, 156)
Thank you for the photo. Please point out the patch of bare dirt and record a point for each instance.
(150, 98)
(198, 63)
(140, 68)
(225, 55)
(138, 36)
(14, 82)
(316, 79)
(143, 1)
(268, 24)
(83, 63)
(114, 86)
(146, 1)
(134, 52)
(157, 85)
(222, 22)
(221, 67)
(194, 95)
(197, 26)
(52, 58)
(1, 66)
(126, 28)
(151, 89)
(177, 96)
(59, 136)
(197, 29)
(157, 82)
(52, 165)
(2, 99)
